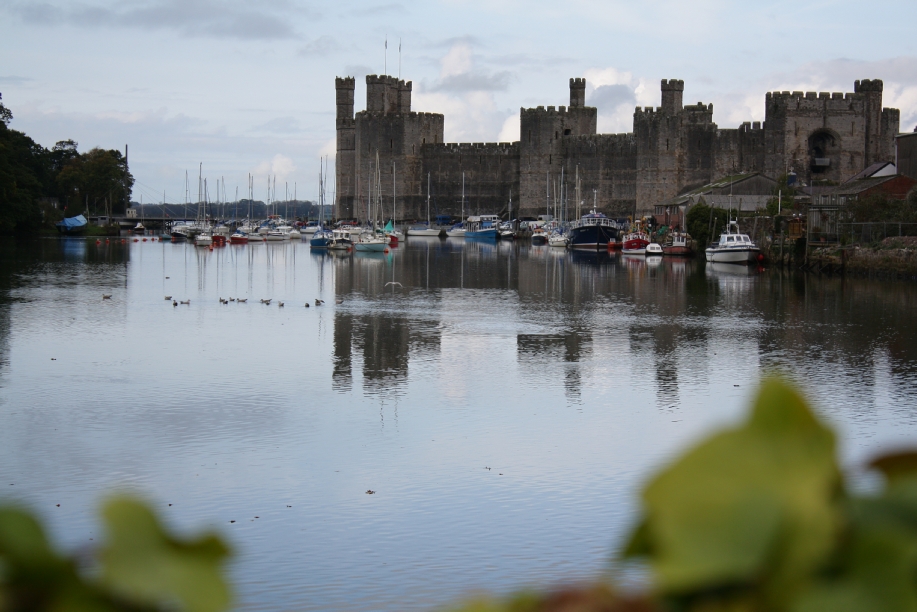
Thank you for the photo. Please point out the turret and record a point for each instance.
(577, 93)
(672, 92)
(345, 87)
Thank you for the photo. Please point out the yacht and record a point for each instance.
(733, 247)
(456, 231)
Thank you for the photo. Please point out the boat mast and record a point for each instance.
(428, 200)
(463, 196)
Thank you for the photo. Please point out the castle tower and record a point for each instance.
(345, 159)
(577, 93)
(871, 91)
(672, 92)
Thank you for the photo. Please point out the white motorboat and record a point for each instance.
(423, 229)
(341, 240)
(294, 234)
(733, 247)
(557, 239)
(204, 239)
(653, 249)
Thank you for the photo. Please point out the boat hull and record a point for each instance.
(635, 246)
(238, 239)
(431, 233)
(374, 247)
(486, 234)
(677, 251)
(735, 256)
(591, 237)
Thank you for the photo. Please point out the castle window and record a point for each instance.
(391, 144)
(666, 144)
(549, 158)
(555, 136)
(424, 141)
(567, 132)
(530, 135)
(413, 150)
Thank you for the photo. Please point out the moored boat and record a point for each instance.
(733, 247)
(238, 237)
(592, 231)
(634, 242)
(72, 226)
(482, 227)
(678, 244)
(653, 248)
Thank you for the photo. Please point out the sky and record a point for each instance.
(237, 87)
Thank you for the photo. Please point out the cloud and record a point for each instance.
(196, 18)
(320, 47)
(280, 166)
(614, 93)
(458, 74)
(510, 130)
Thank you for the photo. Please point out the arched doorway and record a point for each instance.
(824, 147)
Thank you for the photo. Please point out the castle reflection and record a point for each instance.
(672, 319)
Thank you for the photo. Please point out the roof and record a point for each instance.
(721, 183)
(877, 169)
(858, 186)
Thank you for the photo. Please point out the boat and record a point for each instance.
(218, 240)
(321, 236)
(370, 241)
(458, 230)
(204, 239)
(294, 234)
(539, 235)
(310, 228)
(678, 244)
(634, 242)
(72, 226)
(506, 231)
(557, 238)
(592, 231)
(733, 247)
(425, 229)
(276, 235)
(139, 229)
(238, 237)
(481, 227)
(340, 239)
(653, 249)
(393, 235)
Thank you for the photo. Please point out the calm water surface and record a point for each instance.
(571, 376)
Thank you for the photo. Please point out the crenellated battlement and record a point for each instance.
(345, 83)
(867, 85)
(672, 85)
(477, 148)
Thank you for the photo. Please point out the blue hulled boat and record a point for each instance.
(482, 227)
(594, 231)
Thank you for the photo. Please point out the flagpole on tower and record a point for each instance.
(385, 69)
(399, 59)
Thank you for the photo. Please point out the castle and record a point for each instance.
(673, 148)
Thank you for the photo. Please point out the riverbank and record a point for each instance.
(894, 257)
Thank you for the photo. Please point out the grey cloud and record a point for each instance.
(187, 17)
(474, 81)
(381, 9)
(839, 74)
(609, 97)
(321, 46)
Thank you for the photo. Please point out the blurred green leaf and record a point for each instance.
(143, 563)
(753, 507)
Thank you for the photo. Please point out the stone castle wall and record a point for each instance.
(673, 148)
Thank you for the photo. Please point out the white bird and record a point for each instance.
(266, 302)
(319, 302)
(393, 283)
(241, 301)
(339, 301)
(186, 302)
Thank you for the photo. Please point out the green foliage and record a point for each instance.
(784, 197)
(880, 208)
(30, 173)
(140, 567)
(757, 518)
(705, 223)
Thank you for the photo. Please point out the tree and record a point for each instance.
(6, 115)
(96, 177)
(784, 197)
(703, 223)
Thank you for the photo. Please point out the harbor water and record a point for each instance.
(504, 402)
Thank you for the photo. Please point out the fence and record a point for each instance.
(877, 231)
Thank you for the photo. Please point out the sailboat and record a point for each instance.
(425, 229)
(205, 237)
(370, 239)
(321, 237)
(458, 230)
